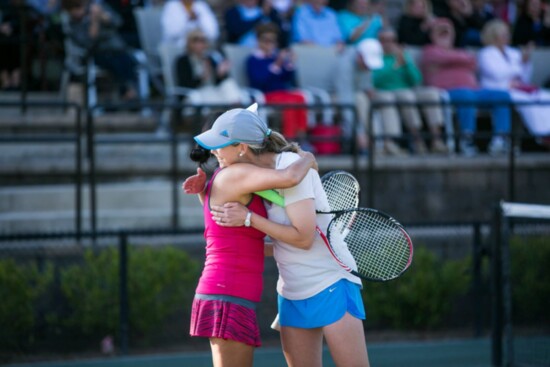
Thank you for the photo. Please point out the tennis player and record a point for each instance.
(317, 298)
(231, 282)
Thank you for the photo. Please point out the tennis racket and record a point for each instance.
(342, 190)
(341, 187)
(381, 248)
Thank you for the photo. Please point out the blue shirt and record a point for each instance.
(348, 21)
(320, 28)
(265, 76)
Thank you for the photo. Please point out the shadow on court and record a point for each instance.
(450, 353)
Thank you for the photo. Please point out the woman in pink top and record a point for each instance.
(231, 282)
(454, 70)
(318, 301)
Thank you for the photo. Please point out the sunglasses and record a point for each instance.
(268, 39)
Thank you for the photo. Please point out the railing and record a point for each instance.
(74, 137)
(174, 139)
(515, 136)
(478, 250)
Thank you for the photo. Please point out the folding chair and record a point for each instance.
(150, 36)
(315, 67)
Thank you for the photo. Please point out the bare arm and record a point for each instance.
(251, 178)
(300, 233)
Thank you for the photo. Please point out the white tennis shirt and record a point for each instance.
(304, 273)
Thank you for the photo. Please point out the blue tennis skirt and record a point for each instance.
(324, 308)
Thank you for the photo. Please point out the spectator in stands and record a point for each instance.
(285, 10)
(482, 12)
(399, 81)
(532, 24)
(206, 71)
(93, 26)
(242, 18)
(507, 68)
(179, 17)
(128, 30)
(505, 10)
(10, 61)
(272, 71)
(358, 22)
(466, 23)
(454, 70)
(315, 23)
(415, 22)
(384, 133)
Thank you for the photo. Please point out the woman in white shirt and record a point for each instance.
(504, 67)
(179, 17)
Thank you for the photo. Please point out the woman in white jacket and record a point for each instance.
(179, 17)
(504, 67)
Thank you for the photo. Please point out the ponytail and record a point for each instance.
(274, 143)
(200, 155)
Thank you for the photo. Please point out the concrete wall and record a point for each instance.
(456, 189)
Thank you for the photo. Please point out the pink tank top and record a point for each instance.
(234, 255)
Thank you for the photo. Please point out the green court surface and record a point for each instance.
(448, 353)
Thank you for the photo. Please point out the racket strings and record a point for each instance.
(380, 247)
(342, 191)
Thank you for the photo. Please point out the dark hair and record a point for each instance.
(268, 27)
(72, 4)
(200, 155)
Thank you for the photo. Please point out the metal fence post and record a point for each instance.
(496, 288)
(477, 251)
(174, 177)
(123, 291)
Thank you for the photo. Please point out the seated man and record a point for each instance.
(399, 80)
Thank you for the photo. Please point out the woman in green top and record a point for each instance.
(400, 80)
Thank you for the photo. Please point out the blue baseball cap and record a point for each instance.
(238, 125)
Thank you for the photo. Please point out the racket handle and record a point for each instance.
(275, 325)
(273, 196)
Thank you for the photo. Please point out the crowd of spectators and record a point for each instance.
(444, 31)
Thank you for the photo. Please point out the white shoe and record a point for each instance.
(391, 148)
(467, 147)
(498, 145)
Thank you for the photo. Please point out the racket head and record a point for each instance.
(380, 246)
(342, 190)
